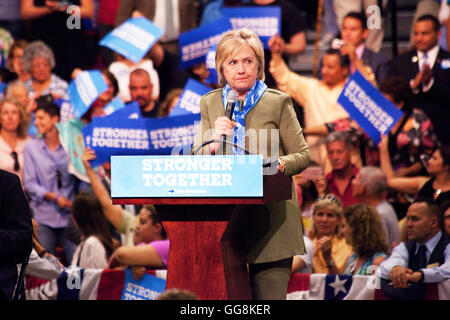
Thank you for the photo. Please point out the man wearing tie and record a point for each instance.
(424, 258)
(427, 68)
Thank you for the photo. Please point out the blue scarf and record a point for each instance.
(251, 99)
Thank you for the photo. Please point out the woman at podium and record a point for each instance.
(264, 236)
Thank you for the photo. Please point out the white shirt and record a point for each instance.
(400, 257)
(92, 254)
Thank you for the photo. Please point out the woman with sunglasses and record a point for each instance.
(48, 182)
(14, 122)
(331, 251)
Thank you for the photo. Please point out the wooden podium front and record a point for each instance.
(199, 260)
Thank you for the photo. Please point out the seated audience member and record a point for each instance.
(434, 188)
(18, 90)
(97, 243)
(38, 60)
(122, 68)
(303, 263)
(310, 184)
(47, 181)
(364, 233)
(447, 221)
(152, 246)
(339, 180)
(14, 122)
(141, 89)
(369, 187)
(15, 63)
(330, 249)
(169, 103)
(424, 258)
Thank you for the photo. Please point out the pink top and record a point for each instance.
(161, 246)
(7, 161)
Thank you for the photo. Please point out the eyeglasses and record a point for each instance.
(59, 179)
(328, 197)
(16, 161)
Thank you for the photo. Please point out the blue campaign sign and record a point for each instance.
(375, 114)
(195, 44)
(265, 22)
(113, 106)
(189, 102)
(133, 38)
(130, 110)
(147, 288)
(186, 176)
(211, 66)
(84, 90)
(121, 136)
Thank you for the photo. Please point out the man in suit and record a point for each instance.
(424, 258)
(15, 232)
(354, 32)
(427, 68)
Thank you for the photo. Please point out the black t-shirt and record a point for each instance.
(291, 23)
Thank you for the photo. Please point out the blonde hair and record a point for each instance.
(230, 43)
(22, 129)
(330, 202)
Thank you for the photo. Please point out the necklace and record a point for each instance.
(438, 192)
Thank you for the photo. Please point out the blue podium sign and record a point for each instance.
(186, 176)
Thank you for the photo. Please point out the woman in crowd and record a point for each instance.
(39, 61)
(151, 244)
(363, 231)
(14, 122)
(169, 103)
(18, 90)
(435, 188)
(331, 252)
(266, 236)
(15, 61)
(97, 108)
(48, 183)
(97, 243)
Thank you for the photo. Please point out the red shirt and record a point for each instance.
(347, 197)
(108, 11)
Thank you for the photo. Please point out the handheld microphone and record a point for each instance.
(231, 101)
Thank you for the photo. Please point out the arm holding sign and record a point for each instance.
(112, 212)
(349, 49)
(410, 185)
(287, 81)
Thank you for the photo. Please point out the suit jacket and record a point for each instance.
(378, 62)
(433, 102)
(15, 231)
(273, 231)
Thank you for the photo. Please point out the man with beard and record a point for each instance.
(141, 88)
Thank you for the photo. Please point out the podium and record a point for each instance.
(200, 260)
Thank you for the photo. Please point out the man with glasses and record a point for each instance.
(47, 181)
